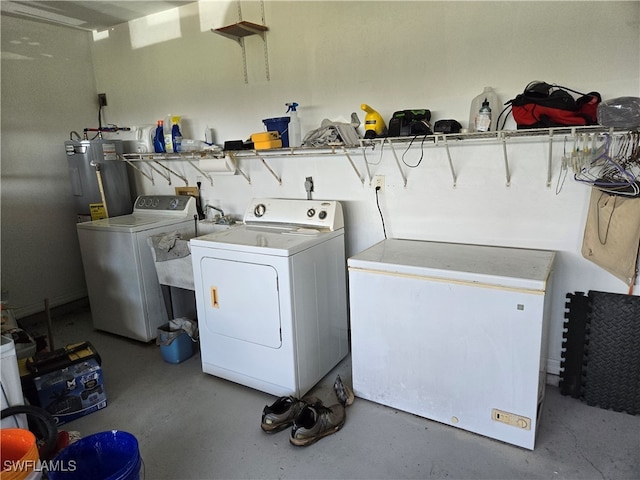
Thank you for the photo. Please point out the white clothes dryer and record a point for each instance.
(271, 296)
(124, 291)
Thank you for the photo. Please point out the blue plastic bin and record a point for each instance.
(280, 125)
(112, 455)
(175, 345)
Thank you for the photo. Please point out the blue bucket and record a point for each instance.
(280, 125)
(111, 455)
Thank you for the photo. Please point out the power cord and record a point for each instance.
(384, 230)
(421, 151)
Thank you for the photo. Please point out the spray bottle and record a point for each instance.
(373, 123)
(295, 135)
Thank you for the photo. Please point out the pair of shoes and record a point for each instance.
(282, 412)
(309, 418)
(315, 422)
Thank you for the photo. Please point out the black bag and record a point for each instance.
(542, 105)
(447, 126)
(410, 122)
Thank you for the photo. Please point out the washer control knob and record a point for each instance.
(311, 212)
(322, 215)
(173, 203)
(259, 210)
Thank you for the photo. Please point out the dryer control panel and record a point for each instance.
(181, 205)
(323, 215)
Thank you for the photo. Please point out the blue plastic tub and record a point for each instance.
(175, 345)
(280, 125)
(112, 455)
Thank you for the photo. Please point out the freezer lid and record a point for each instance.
(483, 264)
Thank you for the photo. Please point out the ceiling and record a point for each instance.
(85, 15)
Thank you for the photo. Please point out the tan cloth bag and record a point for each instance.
(612, 234)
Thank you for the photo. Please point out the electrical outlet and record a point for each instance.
(378, 182)
(102, 99)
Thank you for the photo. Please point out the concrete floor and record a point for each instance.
(195, 426)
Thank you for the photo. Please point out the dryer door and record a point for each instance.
(241, 301)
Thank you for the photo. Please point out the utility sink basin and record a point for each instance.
(206, 227)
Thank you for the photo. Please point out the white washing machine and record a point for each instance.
(271, 296)
(124, 292)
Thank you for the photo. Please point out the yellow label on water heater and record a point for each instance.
(97, 211)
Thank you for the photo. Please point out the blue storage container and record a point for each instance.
(175, 345)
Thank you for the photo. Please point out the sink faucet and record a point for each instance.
(221, 218)
(215, 208)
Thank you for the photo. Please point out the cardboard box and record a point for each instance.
(73, 391)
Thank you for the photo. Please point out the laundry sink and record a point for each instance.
(206, 227)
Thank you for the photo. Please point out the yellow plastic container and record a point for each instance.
(266, 140)
(267, 145)
(265, 137)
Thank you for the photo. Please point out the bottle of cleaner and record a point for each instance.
(295, 135)
(176, 135)
(373, 123)
(483, 119)
(158, 139)
(168, 144)
(489, 95)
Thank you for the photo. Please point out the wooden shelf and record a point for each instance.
(240, 30)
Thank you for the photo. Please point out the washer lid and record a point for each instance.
(279, 241)
(149, 211)
(133, 222)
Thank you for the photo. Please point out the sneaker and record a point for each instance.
(343, 392)
(282, 412)
(316, 421)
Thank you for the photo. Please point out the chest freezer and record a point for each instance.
(454, 333)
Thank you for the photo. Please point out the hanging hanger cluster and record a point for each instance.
(610, 163)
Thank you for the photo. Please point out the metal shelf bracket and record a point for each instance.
(395, 156)
(355, 169)
(550, 161)
(278, 179)
(453, 172)
(503, 137)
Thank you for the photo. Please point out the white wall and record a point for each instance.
(332, 56)
(48, 89)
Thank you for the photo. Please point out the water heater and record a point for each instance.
(99, 180)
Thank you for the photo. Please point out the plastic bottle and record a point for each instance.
(176, 135)
(158, 139)
(168, 144)
(295, 135)
(373, 123)
(483, 119)
(494, 104)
